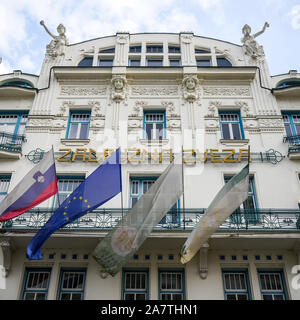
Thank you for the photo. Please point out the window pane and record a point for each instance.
(236, 131)
(154, 62)
(225, 131)
(129, 296)
(140, 296)
(86, 62)
(203, 62)
(84, 131)
(267, 297)
(105, 62)
(65, 296)
(40, 296)
(76, 296)
(242, 297)
(134, 62)
(73, 130)
(288, 130)
(149, 130)
(177, 296)
(175, 63)
(231, 297)
(29, 296)
(223, 62)
(159, 131)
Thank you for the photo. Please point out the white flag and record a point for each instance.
(119, 245)
(228, 199)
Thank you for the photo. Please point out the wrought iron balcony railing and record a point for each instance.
(295, 139)
(294, 149)
(11, 142)
(106, 219)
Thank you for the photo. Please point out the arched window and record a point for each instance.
(17, 83)
(223, 62)
(86, 62)
(288, 83)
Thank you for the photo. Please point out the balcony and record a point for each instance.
(176, 220)
(294, 147)
(11, 145)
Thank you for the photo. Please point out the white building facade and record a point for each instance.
(158, 96)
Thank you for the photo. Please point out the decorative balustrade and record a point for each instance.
(11, 142)
(106, 219)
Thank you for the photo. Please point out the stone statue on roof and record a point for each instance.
(56, 47)
(250, 45)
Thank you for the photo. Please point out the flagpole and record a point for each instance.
(183, 199)
(122, 205)
(249, 182)
(58, 200)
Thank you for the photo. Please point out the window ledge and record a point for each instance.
(236, 143)
(75, 142)
(154, 142)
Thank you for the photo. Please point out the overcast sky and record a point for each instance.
(23, 40)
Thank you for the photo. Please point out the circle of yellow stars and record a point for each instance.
(74, 198)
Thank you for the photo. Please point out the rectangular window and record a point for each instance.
(106, 62)
(154, 125)
(79, 123)
(13, 123)
(4, 185)
(135, 49)
(134, 62)
(66, 185)
(139, 186)
(231, 125)
(154, 62)
(174, 49)
(203, 62)
(292, 126)
(135, 284)
(235, 284)
(171, 284)
(174, 62)
(272, 285)
(36, 284)
(154, 49)
(72, 283)
(249, 206)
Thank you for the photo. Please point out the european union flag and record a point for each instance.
(102, 185)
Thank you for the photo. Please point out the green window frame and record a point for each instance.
(135, 284)
(236, 284)
(171, 284)
(231, 125)
(72, 284)
(79, 124)
(272, 284)
(36, 284)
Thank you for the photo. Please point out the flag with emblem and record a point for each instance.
(99, 187)
(39, 184)
(120, 244)
(227, 200)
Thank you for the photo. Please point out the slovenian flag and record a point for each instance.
(37, 186)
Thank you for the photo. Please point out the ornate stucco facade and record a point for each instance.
(157, 93)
